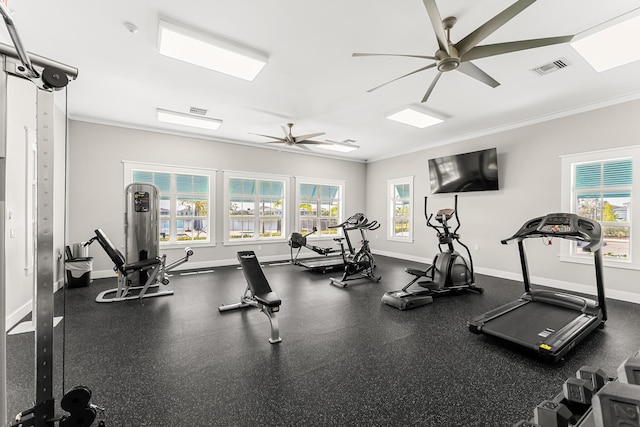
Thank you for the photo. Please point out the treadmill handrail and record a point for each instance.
(558, 298)
(584, 230)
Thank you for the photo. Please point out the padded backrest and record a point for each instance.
(253, 273)
(115, 255)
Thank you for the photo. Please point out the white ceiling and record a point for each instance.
(311, 78)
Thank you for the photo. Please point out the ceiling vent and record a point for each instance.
(199, 111)
(556, 65)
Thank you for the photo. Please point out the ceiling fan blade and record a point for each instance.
(269, 136)
(301, 138)
(284, 130)
(395, 54)
(436, 23)
(471, 70)
(500, 48)
(483, 31)
(433, 84)
(413, 72)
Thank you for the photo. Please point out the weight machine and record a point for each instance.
(47, 76)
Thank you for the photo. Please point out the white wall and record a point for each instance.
(529, 164)
(96, 196)
(21, 114)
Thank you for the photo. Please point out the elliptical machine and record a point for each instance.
(449, 274)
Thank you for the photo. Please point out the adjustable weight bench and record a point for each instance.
(154, 267)
(258, 293)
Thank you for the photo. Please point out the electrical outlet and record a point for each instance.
(477, 247)
(259, 247)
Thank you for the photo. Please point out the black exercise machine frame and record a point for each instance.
(299, 240)
(400, 299)
(362, 260)
(593, 314)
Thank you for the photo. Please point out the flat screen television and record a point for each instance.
(475, 171)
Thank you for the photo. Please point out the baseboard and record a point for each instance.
(14, 318)
(537, 280)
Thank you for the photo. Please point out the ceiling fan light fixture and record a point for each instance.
(415, 117)
(209, 51)
(611, 46)
(345, 146)
(190, 120)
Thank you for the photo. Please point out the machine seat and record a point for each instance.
(144, 264)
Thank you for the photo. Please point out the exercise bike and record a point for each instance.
(450, 274)
(361, 261)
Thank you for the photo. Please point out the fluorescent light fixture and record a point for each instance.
(188, 119)
(611, 47)
(414, 116)
(206, 50)
(344, 146)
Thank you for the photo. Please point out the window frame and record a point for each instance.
(228, 175)
(341, 184)
(391, 203)
(569, 201)
(131, 166)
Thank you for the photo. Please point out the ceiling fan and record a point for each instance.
(456, 56)
(290, 140)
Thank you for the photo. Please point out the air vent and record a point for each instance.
(196, 110)
(556, 65)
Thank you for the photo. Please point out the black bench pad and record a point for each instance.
(270, 299)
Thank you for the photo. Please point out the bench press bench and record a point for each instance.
(258, 293)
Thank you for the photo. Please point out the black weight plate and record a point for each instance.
(54, 78)
(75, 399)
(81, 418)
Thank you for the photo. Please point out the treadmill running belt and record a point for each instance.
(531, 323)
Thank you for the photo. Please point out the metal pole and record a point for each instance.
(3, 183)
(45, 260)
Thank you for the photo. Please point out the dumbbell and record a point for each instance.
(618, 403)
(587, 382)
(551, 414)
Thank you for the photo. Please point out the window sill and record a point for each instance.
(187, 244)
(252, 242)
(623, 265)
(400, 239)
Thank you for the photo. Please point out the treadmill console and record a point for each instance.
(556, 223)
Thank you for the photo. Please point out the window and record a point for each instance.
(256, 207)
(185, 200)
(319, 205)
(601, 188)
(400, 212)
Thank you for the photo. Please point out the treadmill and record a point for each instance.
(549, 322)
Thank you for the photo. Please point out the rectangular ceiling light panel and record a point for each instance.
(611, 47)
(413, 117)
(188, 119)
(343, 147)
(210, 52)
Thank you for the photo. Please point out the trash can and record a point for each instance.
(78, 271)
(78, 268)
